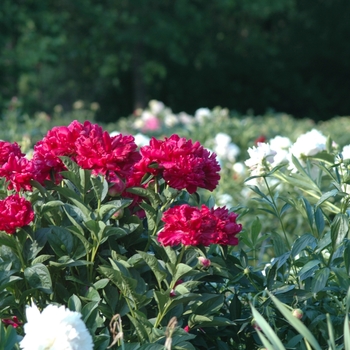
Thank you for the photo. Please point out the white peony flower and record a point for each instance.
(261, 158)
(156, 106)
(309, 144)
(224, 148)
(202, 114)
(185, 118)
(171, 120)
(281, 146)
(346, 152)
(239, 168)
(222, 139)
(55, 328)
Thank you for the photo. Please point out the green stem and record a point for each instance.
(284, 231)
(182, 252)
(19, 253)
(278, 214)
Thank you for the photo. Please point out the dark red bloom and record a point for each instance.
(100, 152)
(192, 226)
(18, 171)
(260, 139)
(15, 212)
(182, 163)
(14, 322)
(7, 148)
(59, 141)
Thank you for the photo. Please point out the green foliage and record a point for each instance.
(286, 285)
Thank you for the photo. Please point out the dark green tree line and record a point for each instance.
(289, 55)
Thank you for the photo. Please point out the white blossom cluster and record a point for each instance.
(279, 150)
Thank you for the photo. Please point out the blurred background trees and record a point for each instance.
(288, 55)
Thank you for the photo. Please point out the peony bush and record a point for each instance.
(212, 231)
(115, 234)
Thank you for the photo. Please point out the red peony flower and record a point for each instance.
(7, 148)
(192, 226)
(19, 171)
(59, 141)
(15, 212)
(98, 151)
(183, 164)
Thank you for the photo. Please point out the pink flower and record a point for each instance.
(187, 328)
(151, 124)
(192, 226)
(98, 151)
(182, 164)
(15, 211)
(18, 171)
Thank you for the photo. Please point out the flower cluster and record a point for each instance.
(86, 144)
(182, 164)
(279, 150)
(193, 226)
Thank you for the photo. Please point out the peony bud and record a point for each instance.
(298, 313)
(255, 325)
(118, 214)
(204, 261)
(187, 328)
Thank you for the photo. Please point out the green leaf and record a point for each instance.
(266, 328)
(38, 277)
(279, 244)
(307, 268)
(74, 303)
(142, 326)
(61, 241)
(210, 306)
(89, 313)
(296, 323)
(319, 221)
(74, 198)
(346, 256)
(181, 271)
(255, 230)
(305, 240)
(320, 279)
(324, 157)
(155, 266)
(326, 196)
(339, 229)
(7, 240)
(100, 187)
(309, 212)
(145, 192)
(162, 298)
(199, 321)
(127, 286)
